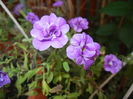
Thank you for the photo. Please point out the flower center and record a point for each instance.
(51, 33)
(1, 77)
(110, 63)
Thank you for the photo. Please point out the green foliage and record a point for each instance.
(119, 8)
(126, 35)
(66, 66)
(106, 29)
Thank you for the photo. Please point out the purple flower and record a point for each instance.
(83, 50)
(31, 17)
(112, 63)
(58, 3)
(49, 31)
(18, 8)
(79, 24)
(4, 79)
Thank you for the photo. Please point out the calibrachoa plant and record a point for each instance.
(59, 59)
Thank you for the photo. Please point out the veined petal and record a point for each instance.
(65, 28)
(36, 34)
(41, 45)
(60, 21)
(88, 63)
(73, 52)
(88, 53)
(59, 42)
(53, 18)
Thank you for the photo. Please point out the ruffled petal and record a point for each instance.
(65, 28)
(36, 34)
(88, 63)
(41, 45)
(59, 42)
(73, 52)
(60, 21)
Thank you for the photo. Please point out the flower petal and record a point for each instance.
(88, 53)
(53, 18)
(41, 45)
(36, 34)
(88, 63)
(73, 52)
(65, 28)
(59, 42)
(60, 21)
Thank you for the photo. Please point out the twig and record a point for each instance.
(102, 85)
(13, 19)
(130, 90)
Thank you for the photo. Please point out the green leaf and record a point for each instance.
(31, 93)
(59, 97)
(33, 85)
(66, 66)
(73, 95)
(106, 30)
(31, 73)
(90, 88)
(126, 35)
(50, 77)
(101, 96)
(22, 46)
(119, 8)
(45, 87)
(25, 61)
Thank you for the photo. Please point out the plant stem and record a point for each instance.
(130, 90)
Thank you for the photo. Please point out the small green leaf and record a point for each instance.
(50, 77)
(45, 87)
(101, 95)
(73, 95)
(21, 46)
(25, 60)
(59, 97)
(31, 93)
(33, 85)
(31, 73)
(90, 88)
(66, 66)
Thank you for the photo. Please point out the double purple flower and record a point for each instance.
(31, 17)
(4, 79)
(49, 31)
(83, 50)
(79, 24)
(112, 63)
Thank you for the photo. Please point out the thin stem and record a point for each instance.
(130, 90)
(13, 19)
